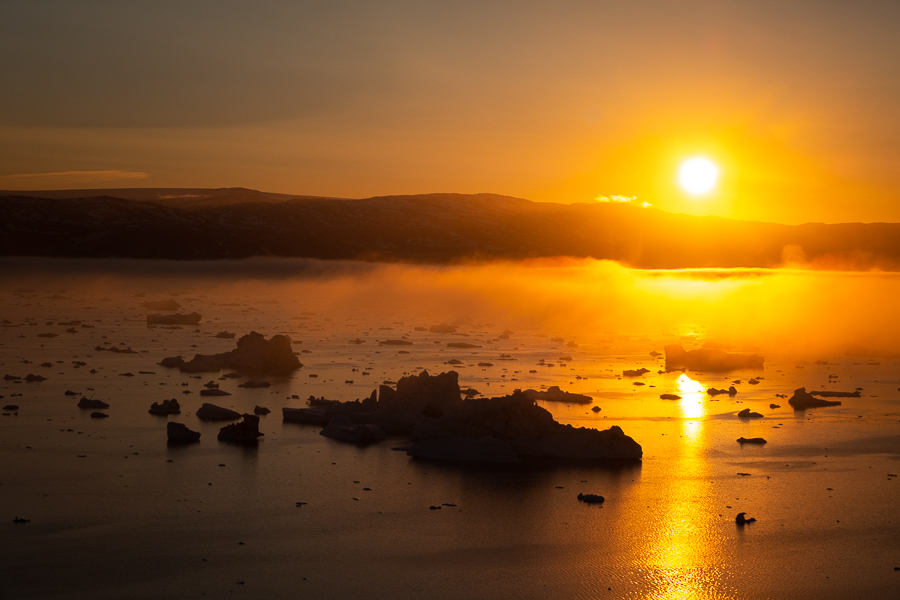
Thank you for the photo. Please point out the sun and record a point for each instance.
(698, 175)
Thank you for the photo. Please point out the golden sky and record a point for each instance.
(798, 103)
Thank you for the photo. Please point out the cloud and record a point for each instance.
(615, 199)
(622, 200)
(64, 179)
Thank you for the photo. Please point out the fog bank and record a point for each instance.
(805, 312)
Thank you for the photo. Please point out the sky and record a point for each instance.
(796, 103)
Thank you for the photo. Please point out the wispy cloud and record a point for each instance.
(64, 179)
(622, 200)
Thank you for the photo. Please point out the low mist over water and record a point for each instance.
(804, 311)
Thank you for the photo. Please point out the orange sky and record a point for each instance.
(798, 103)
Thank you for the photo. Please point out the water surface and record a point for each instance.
(115, 512)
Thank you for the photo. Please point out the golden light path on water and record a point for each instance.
(683, 558)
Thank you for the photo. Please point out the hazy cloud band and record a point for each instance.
(28, 181)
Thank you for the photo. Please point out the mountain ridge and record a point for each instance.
(427, 228)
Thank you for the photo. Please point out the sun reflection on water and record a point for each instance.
(693, 396)
(683, 556)
(686, 385)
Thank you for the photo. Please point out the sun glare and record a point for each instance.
(698, 175)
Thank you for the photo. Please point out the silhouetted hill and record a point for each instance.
(429, 228)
